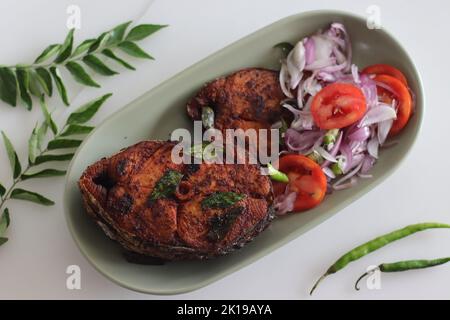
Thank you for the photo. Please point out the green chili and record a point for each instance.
(376, 244)
(404, 266)
(276, 175)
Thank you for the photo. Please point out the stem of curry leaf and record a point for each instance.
(16, 181)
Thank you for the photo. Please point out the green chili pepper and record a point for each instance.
(404, 266)
(316, 157)
(336, 168)
(330, 136)
(277, 175)
(285, 47)
(376, 244)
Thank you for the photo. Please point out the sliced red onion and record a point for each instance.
(300, 142)
(347, 177)
(300, 96)
(310, 50)
(348, 46)
(369, 89)
(353, 181)
(284, 77)
(325, 154)
(285, 202)
(385, 86)
(295, 62)
(334, 151)
(311, 85)
(323, 47)
(329, 173)
(383, 130)
(382, 112)
(360, 134)
(372, 147)
(303, 120)
(367, 164)
(355, 74)
(326, 76)
(346, 151)
(320, 64)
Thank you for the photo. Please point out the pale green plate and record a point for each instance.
(155, 114)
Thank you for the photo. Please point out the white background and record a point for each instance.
(34, 261)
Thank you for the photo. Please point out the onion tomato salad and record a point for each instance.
(340, 118)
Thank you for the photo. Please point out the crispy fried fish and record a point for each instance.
(247, 99)
(157, 208)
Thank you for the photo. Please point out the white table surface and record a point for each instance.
(33, 263)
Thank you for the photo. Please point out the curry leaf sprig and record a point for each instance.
(44, 74)
(59, 148)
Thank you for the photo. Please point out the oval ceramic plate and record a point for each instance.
(155, 114)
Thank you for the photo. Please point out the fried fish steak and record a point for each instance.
(247, 99)
(157, 208)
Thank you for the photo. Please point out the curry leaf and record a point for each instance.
(45, 79)
(41, 133)
(48, 52)
(76, 129)
(83, 47)
(87, 111)
(134, 50)
(44, 174)
(63, 144)
(5, 221)
(35, 89)
(12, 156)
(66, 49)
(80, 75)
(53, 157)
(22, 194)
(33, 145)
(100, 42)
(98, 66)
(221, 200)
(117, 34)
(8, 86)
(166, 186)
(59, 85)
(111, 55)
(48, 116)
(23, 79)
(142, 31)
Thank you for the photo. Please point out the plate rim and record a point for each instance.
(290, 237)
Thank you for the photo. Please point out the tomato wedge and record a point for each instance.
(387, 70)
(305, 177)
(338, 105)
(401, 94)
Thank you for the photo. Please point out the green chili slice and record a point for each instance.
(277, 175)
(376, 244)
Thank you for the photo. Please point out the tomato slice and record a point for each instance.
(338, 105)
(387, 70)
(401, 94)
(305, 177)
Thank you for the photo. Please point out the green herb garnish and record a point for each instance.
(166, 186)
(40, 154)
(277, 175)
(43, 76)
(285, 47)
(220, 200)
